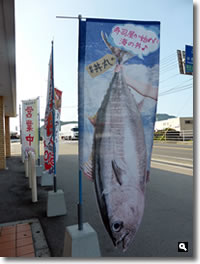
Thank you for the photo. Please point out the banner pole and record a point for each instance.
(80, 215)
(20, 123)
(53, 113)
(38, 131)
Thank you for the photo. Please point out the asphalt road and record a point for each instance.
(167, 220)
(174, 152)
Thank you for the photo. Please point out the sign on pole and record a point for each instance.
(189, 59)
(30, 127)
(185, 60)
(180, 62)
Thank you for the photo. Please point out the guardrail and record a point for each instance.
(167, 135)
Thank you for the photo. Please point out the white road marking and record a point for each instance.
(172, 168)
(172, 147)
(172, 157)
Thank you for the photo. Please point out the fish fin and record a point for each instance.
(87, 170)
(117, 171)
(93, 119)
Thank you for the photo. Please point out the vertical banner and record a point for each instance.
(48, 123)
(58, 101)
(118, 88)
(30, 127)
(49, 126)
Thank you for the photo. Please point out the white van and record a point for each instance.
(69, 132)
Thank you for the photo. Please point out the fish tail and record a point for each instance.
(121, 55)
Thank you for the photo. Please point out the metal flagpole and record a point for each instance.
(80, 218)
(80, 215)
(53, 113)
(38, 131)
(20, 123)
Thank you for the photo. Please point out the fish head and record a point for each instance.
(126, 218)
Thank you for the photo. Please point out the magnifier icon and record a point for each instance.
(182, 246)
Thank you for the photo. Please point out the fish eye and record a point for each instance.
(117, 226)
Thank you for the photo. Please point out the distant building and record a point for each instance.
(178, 123)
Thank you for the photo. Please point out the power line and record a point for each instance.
(177, 87)
(168, 62)
(175, 91)
(169, 67)
(183, 106)
(168, 57)
(169, 78)
(182, 85)
(163, 71)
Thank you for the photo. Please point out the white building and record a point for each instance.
(178, 123)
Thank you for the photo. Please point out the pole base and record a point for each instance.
(56, 203)
(26, 167)
(46, 179)
(39, 170)
(81, 243)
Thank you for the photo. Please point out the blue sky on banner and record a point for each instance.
(37, 25)
(96, 26)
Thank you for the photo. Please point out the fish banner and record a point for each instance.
(48, 124)
(118, 89)
(30, 138)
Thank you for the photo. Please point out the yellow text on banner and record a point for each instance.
(100, 66)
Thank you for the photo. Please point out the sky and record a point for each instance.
(37, 25)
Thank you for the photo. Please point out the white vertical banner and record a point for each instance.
(30, 127)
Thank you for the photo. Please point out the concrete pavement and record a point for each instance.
(168, 217)
(168, 212)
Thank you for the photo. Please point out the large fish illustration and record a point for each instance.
(119, 158)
